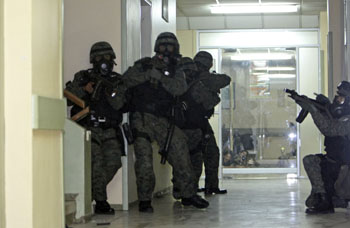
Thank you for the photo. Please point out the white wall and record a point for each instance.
(2, 120)
(308, 84)
(336, 54)
(131, 53)
(87, 22)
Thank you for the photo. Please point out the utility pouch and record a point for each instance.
(179, 113)
(127, 133)
(179, 117)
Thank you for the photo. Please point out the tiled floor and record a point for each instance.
(249, 203)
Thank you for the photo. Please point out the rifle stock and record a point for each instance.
(73, 98)
(81, 114)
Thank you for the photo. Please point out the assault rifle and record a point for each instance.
(99, 84)
(321, 103)
(80, 103)
(171, 127)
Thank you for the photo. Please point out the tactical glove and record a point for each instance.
(154, 74)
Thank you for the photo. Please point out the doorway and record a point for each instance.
(258, 121)
(255, 123)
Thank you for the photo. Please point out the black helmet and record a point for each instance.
(204, 60)
(167, 38)
(188, 64)
(344, 88)
(101, 48)
(341, 103)
(190, 68)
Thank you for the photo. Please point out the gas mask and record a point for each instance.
(339, 107)
(104, 65)
(167, 54)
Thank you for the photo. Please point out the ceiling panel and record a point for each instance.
(200, 8)
(191, 2)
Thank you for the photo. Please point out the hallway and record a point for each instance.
(273, 202)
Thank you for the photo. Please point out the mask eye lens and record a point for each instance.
(170, 48)
(162, 48)
(98, 58)
(107, 57)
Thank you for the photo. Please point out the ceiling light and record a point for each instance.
(253, 8)
(266, 77)
(261, 56)
(281, 76)
(274, 68)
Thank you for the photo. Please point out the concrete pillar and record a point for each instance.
(336, 66)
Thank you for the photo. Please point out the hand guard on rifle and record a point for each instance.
(154, 74)
(308, 106)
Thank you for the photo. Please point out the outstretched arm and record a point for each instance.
(215, 81)
(331, 126)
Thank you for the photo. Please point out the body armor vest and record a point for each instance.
(151, 98)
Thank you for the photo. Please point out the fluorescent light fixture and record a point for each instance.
(257, 73)
(274, 68)
(260, 63)
(261, 56)
(266, 77)
(281, 76)
(253, 8)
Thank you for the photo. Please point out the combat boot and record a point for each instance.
(145, 206)
(322, 206)
(311, 200)
(176, 193)
(195, 201)
(211, 191)
(103, 207)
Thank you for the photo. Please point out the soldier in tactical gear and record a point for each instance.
(326, 171)
(152, 86)
(198, 100)
(97, 87)
(208, 146)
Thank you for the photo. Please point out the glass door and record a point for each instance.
(257, 119)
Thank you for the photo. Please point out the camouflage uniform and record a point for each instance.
(199, 100)
(152, 86)
(323, 170)
(103, 121)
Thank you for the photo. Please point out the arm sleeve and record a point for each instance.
(329, 126)
(215, 81)
(134, 76)
(204, 96)
(76, 87)
(175, 85)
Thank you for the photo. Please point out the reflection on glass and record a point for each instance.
(258, 127)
